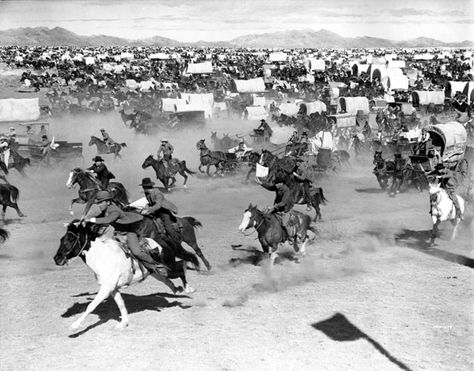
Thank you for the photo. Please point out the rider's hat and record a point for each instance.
(102, 196)
(97, 158)
(164, 140)
(147, 182)
(102, 129)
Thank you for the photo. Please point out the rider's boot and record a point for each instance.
(151, 264)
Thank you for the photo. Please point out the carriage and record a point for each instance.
(448, 147)
(29, 143)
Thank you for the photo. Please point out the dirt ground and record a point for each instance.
(370, 295)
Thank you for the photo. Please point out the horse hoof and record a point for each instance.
(178, 290)
(75, 326)
(185, 186)
(71, 213)
(189, 290)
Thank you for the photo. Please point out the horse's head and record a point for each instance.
(148, 162)
(434, 187)
(265, 157)
(249, 219)
(73, 177)
(201, 144)
(213, 135)
(93, 140)
(76, 239)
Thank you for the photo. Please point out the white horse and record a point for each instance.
(442, 209)
(112, 267)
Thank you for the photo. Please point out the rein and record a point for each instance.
(78, 241)
(255, 228)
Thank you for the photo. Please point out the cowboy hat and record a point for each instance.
(102, 196)
(102, 129)
(97, 158)
(164, 140)
(147, 182)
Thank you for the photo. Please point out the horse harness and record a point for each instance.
(78, 241)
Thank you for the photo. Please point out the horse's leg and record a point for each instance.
(434, 231)
(173, 181)
(4, 210)
(183, 174)
(192, 242)
(455, 227)
(104, 292)
(200, 168)
(181, 271)
(207, 170)
(14, 205)
(167, 282)
(123, 310)
(73, 201)
(273, 256)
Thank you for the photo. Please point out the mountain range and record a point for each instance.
(307, 38)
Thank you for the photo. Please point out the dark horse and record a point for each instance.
(103, 148)
(89, 186)
(3, 235)
(383, 169)
(271, 233)
(210, 158)
(251, 158)
(19, 162)
(164, 174)
(8, 198)
(278, 169)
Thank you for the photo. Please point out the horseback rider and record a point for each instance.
(101, 172)
(448, 181)
(167, 149)
(126, 223)
(109, 142)
(5, 149)
(262, 129)
(282, 207)
(46, 148)
(160, 207)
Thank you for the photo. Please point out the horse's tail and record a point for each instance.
(14, 193)
(120, 192)
(192, 221)
(320, 195)
(3, 235)
(186, 169)
(124, 145)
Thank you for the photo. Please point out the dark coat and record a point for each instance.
(284, 200)
(156, 200)
(103, 174)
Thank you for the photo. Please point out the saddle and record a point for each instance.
(177, 225)
(290, 223)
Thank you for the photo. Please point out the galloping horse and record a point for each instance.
(186, 231)
(103, 148)
(164, 174)
(442, 209)
(19, 162)
(8, 198)
(114, 268)
(209, 158)
(279, 169)
(383, 169)
(271, 233)
(89, 186)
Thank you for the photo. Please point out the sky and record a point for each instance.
(212, 20)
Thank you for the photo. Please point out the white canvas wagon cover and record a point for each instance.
(250, 86)
(454, 139)
(19, 109)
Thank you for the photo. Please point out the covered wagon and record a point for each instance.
(249, 86)
(447, 145)
(353, 104)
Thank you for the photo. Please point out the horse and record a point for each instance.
(8, 198)
(209, 158)
(271, 233)
(19, 162)
(103, 148)
(89, 186)
(383, 169)
(112, 267)
(316, 196)
(165, 174)
(279, 169)
(442, 209)
(186, 231)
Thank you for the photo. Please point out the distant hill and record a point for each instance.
(307, 38)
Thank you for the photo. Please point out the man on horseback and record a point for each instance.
(282, 207)
(5, 150)
(167, 149)
(448, 182)
(109, 142)
(125, 223)
(160, 207)
(101, 172)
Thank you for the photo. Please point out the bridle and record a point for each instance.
(255, 228)
(75, 242)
